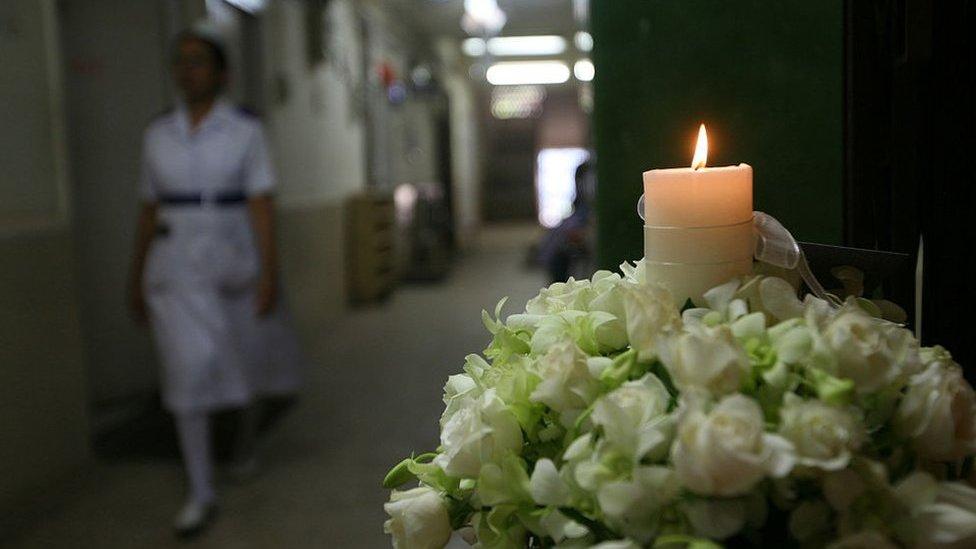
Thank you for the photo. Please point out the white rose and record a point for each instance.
(633, 507)
(938, 412)
(418, 519)
(633, 417)
(725, 452)
(650, 313)
(572, 295)
(566, 384)
(483, 430)
(870, 352)
(824, 436)
(706, 358)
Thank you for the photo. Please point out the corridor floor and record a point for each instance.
(373, 397)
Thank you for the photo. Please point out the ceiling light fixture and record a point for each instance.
(583, 70)
(474, 47)
(528, 72)
(482, 17)
(515, 46)
(526, 45)
(583, 41)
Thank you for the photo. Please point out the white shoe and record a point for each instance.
(194, 518)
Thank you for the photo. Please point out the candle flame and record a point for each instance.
(701, 149)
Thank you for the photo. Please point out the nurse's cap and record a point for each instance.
(207, 29)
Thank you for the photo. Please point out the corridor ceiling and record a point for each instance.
(443, 17)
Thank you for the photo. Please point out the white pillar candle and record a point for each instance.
(697, 225)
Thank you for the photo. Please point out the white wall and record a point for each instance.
(43, 420)
(116, 75)
(314, 115)
(32, 186)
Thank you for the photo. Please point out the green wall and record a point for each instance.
(764, 76)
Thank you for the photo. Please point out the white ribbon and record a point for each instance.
(775, 245)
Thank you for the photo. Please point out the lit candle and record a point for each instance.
(697, 225)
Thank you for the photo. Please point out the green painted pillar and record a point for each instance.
(766, 77)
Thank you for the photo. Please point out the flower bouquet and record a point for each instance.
(602, 416)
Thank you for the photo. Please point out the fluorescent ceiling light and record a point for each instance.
(583, 41)
(526, 45)
(505, 46)
(528, 72)
(474, 47)
(482, 17)
(583, 70)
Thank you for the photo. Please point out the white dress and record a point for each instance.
(203, 264)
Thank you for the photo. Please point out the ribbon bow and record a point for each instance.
(775, 245)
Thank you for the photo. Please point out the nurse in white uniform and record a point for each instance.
(205, 268)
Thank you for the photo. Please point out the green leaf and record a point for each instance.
(433, 476)
(459, 511)
(620, 371)
(832, 390)
(399, 475)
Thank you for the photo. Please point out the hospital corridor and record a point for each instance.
(500, 274)
(377, 370)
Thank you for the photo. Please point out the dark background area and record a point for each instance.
(909, 135)
(766, 78)
(858, 117)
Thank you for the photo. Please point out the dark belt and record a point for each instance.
(196, 199)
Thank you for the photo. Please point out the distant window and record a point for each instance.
(556, 183)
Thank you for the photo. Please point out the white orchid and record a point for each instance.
(572, 295)
(943, 513)
(457, 390)
(650, 314)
